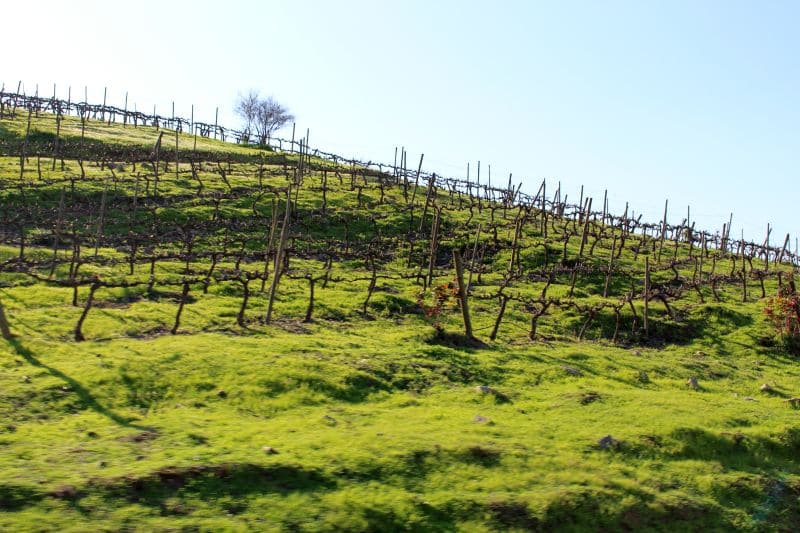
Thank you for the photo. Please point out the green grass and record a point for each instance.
(370, 422)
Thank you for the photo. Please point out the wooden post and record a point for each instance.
(585, 233)
(193, 130)
(766, 249)
(101, 219)
(57, 232)
(216, 121)
(610, 266)
(462, 294)
(414, 194)
(779, 260)
(276, 275)
(646, 293)
(177, 159)
(663, 230)
(434, 238)
(472, 257)
(156, 160)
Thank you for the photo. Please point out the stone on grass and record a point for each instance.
(65, 492)
(589, 397)
(692, 382)
(486, 389)
(571, 370)
(269, 450)
(608, 442)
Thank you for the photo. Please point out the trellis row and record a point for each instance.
(511, 195)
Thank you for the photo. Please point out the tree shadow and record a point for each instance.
(212, 482)
(731, 450)
(456, 340)
(84, 395)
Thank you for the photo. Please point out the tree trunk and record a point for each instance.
(86, 308)
(503, 302)
(184, 295)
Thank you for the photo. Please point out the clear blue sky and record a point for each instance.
(695, 101)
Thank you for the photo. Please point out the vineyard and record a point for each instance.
(200, 332)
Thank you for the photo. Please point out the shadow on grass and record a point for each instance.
(207, 482)
(211, 482)
(83, 394)
(455, 340)
(731, 450)
(13, 497)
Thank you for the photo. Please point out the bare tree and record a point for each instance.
(262, 116)
(247, 108)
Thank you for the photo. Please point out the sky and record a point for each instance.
(695, 102)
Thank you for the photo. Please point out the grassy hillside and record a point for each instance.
(364, 416)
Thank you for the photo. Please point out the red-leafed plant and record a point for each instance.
(442, 296)
(783, 311)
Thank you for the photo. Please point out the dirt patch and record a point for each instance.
(144, 436)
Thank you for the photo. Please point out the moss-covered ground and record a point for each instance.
(371, 421)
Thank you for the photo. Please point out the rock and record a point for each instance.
(737, 438)
(692, 382)
(794, 402)
(485, 389)
(700, 353)
(766, 388)
(222, 394)
(140, 437)
(269, 450)
(26, 379)
(608, 442)
(66, 492)
(589, 397)
(637, 352)
(481, 419)
(329, 420)
(571, 370)
(749, 399)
